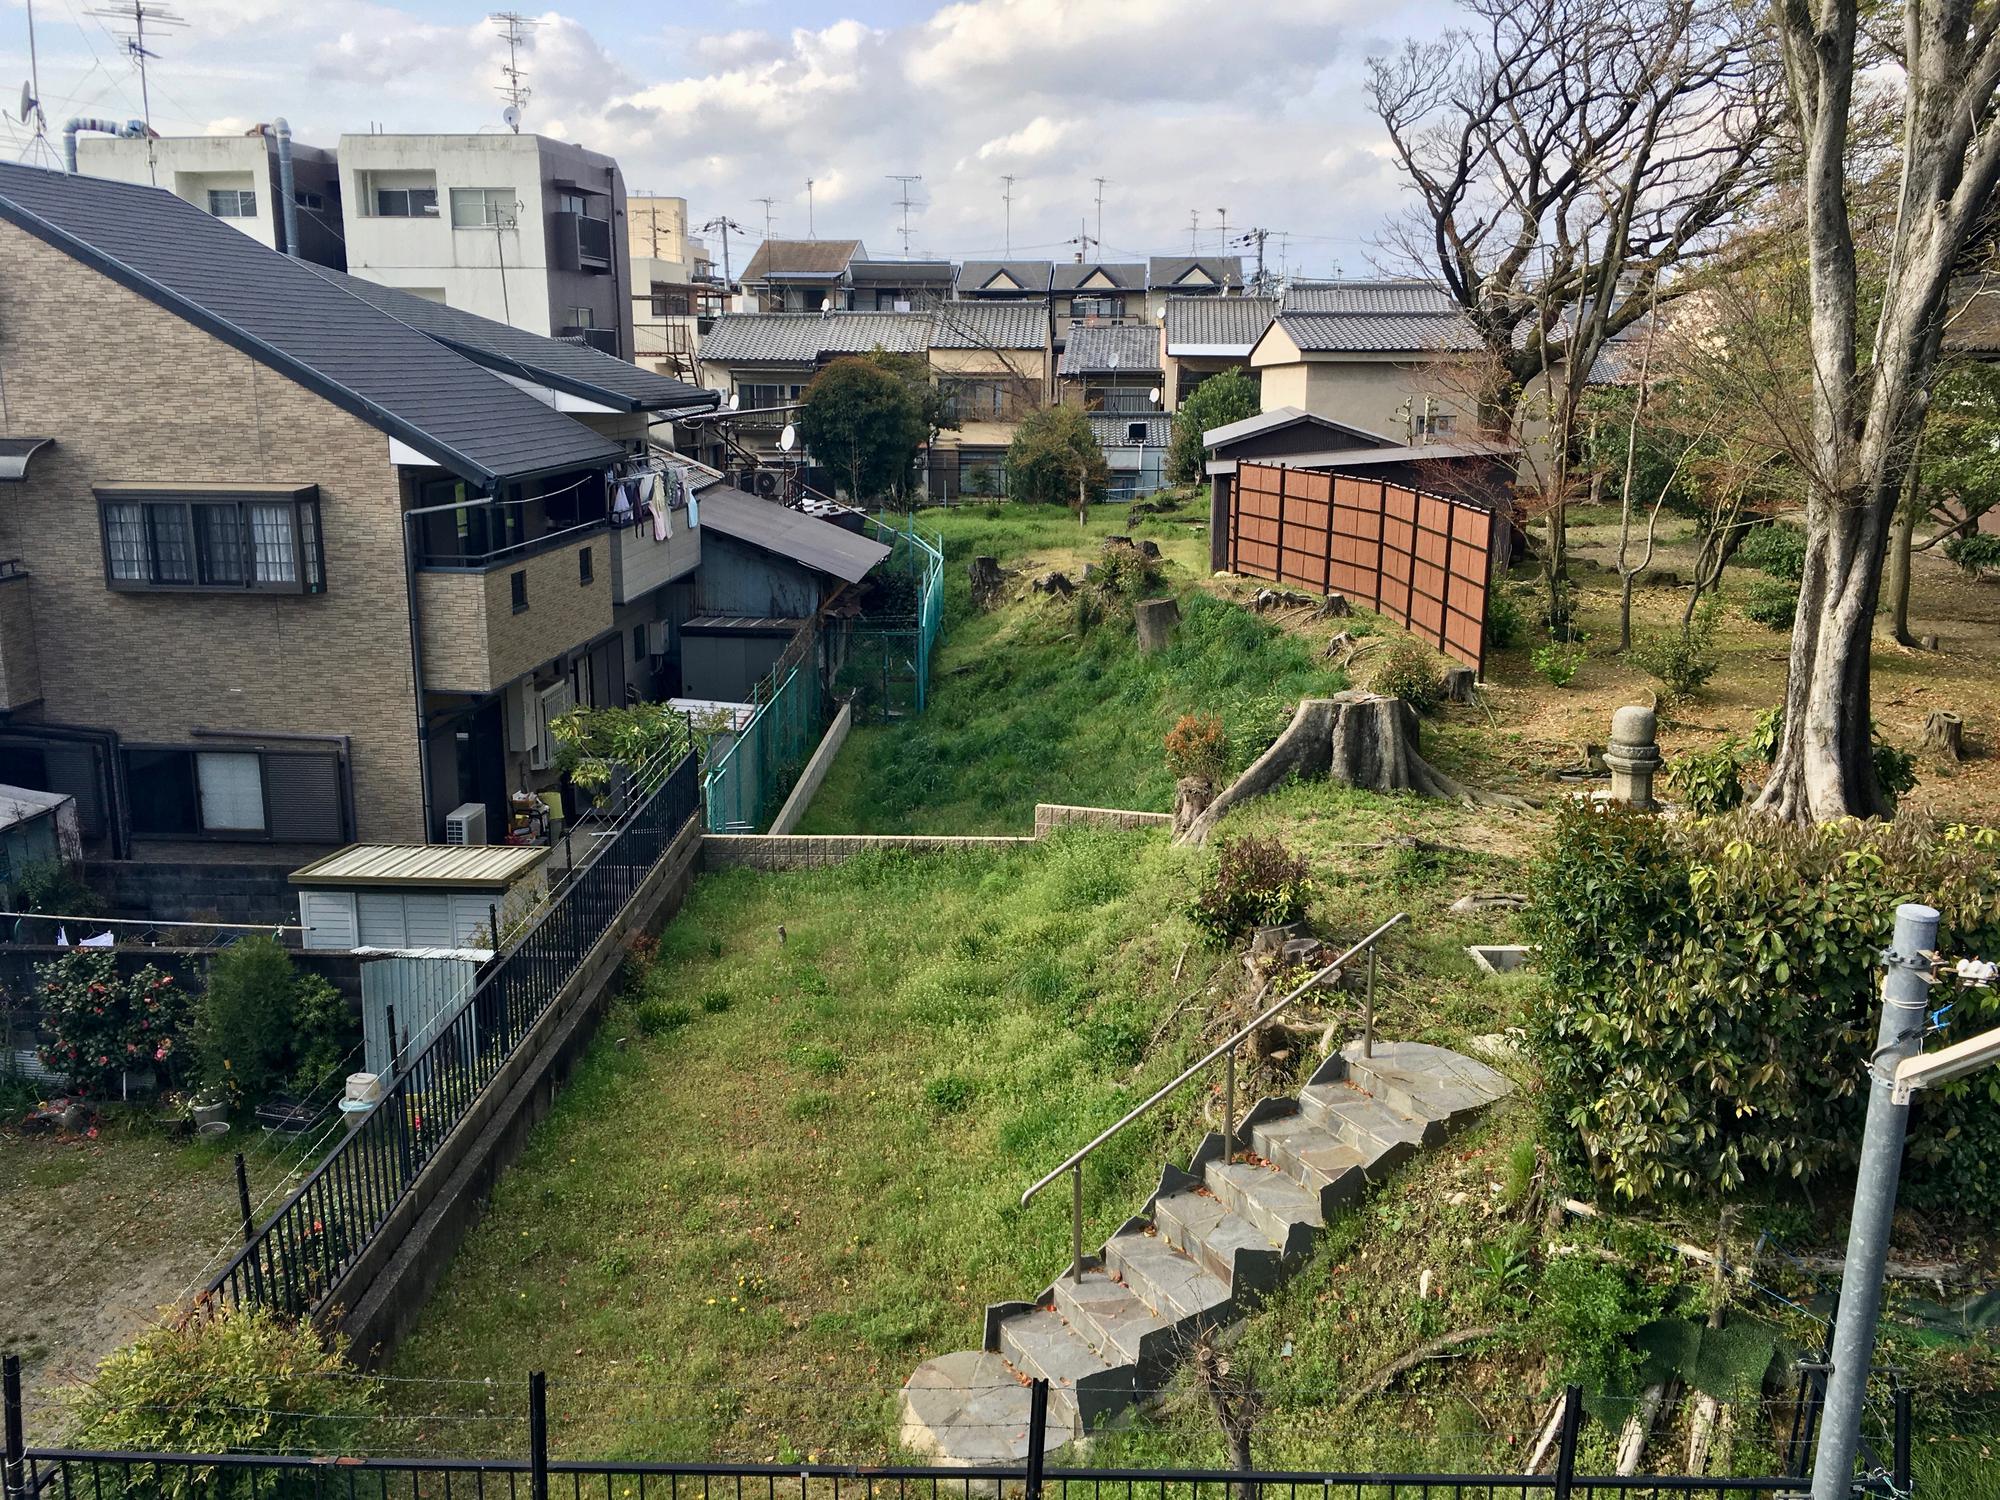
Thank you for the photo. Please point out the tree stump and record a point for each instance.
(1335, 606)
(1054, 583)
(1148, 547)
(987, 581)
(1945, 733)
(1156, 619)
(1459, 683)
(1928, 642)
(1192, 794)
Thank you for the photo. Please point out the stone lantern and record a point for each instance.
(1633, 757)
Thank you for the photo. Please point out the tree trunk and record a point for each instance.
(1945, 733)
(987, 581)
(1898, 580)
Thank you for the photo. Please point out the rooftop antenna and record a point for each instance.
(1194, 229)
(1007, 198)
(138, 15)
(516, 30)
(1223, 214)
(767, 202)
(1100, 181)
(31, 100)
(905, 178)
(809, 210)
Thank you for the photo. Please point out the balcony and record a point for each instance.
(603, 340)
(639, 564)
(20, 660)
(486, 620)
(580, 242)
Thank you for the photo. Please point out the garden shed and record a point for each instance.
(417, 895)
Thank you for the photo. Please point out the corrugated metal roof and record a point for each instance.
(276, 310)
(1032, 276)
(1125, 276)
(1233, 322)
(801, 257)
(464, 866)
(1384, 333)
(1166, 272)
(818, 544)
(990, 325)
(1101, 350)
(806, 338)
(19, 803)
(1383, 295)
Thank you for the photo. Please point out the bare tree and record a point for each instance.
(1865, 418)
(1236, 1403)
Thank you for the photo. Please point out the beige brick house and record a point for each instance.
(292, 559)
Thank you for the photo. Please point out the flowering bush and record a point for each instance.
(105, 1024)
(1197, 745)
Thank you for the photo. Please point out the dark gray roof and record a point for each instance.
(1126, 276)
(277, 311)
(1384, 295)
(819, 545)
(898, 272)
(1339, 434)
(1114, 429)
(1030, 276)
(1099, 350)
(1168, 272)
(1232, 322)
(990, 325)
(806, 338)
(1387, 333)
(575, 368)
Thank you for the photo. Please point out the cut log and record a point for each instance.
(1363, 739)
(1550, 1428)
(1638, 1427)
(1338, 644)
(1334, 605)
(1192, 794)
(1148, 547)
(1944, 732)
(1156, 619)
(1701, 1431)
(987, 581)
(1459, 684)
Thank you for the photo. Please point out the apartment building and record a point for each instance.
(676, 293)
(517, 228)
(237, 178)
(292, 558)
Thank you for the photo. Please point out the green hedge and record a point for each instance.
(1713, 994)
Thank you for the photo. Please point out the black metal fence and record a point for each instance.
(297, 1257)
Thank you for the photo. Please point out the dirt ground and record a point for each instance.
(95, 1237)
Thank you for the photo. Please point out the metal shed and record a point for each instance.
(417, 895)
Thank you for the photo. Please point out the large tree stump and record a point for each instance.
(987, 581)
(1944, 732)
(1362, 739)
(1054, 583)
(1459, 684)
(1192, 794)
(1156, 619)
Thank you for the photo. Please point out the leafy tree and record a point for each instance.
(263, 1025)
(1055, 460)
(865, 423)
(1216, 402)
(933, 405)
(1954, 481)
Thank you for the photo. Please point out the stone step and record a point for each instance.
(1083, 1386)
(1118, 1325)
(1228, 1246)
(1170, 1283)
(970, 1408)
(1426, 1081)
(1382, 1135)
(1287, 1214)
(1314, 1157)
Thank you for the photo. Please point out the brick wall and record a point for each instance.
(473, 640)
(20, 662)
(132, 393)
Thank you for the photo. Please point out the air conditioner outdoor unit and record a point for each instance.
(767, 482)
(466, 824)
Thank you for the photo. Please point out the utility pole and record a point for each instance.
(1256, 237)
(767, 202)
(138, 13)
(809, 210)
(905, 178)
(1100, 181)
(1007, 198)
(1194, 230)
(514, 29)
(1083, 242)
(1223, 214)
(721, 224)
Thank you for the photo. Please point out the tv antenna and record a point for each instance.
(1100, 181)
(30, 113)
(905, 178)
(767, 202)
(133, 18)
(809, 210)
(1007, 198)
(517, 31)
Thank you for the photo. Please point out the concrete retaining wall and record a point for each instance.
(386, 1287)
(794, 810)
(810, 851)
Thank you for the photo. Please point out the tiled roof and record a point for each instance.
(1100, 350)
(1338, 434)
(1372, 333)
(990, 325)
(1380, 296)
(801, 258)
(1114, 429)
(1167, 272)
(280, 313)
(575, 368)
(806, 338)
(1234, 322)
(1031, 276)
(1124, 276)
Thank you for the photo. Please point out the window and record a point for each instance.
(639, 652)
(517, 584)
(205, 542)
(1096, 307)
(668, 303)
(572, 203)
(582, 317)
(406, 203)
(308, 200)
(1440, 424)
(756, 397)
(481, 208)
(229, 203)
(585, 572)
(289, 795)
(981, 400)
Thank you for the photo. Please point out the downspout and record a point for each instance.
(281, 132)
(131, 130)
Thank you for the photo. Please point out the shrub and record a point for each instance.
(1708, 781)
(657, 1017)
(1411, 672)
(1764, 736)
(948, 1093)
(1558, 661)
(1683, 660)
(262, 1025)
(1506, 621)
(1055, 452)
(223, 1380)
(1974, 553)
(1227, 397)
(1123, 571)
(1772, 602)
(1712, 985)
(103, 1025)
(1586, 1315)
(49, 885)
(1253, 883)
(1778, 549)
(1198, 746)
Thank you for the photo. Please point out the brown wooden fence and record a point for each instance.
(1421, 559)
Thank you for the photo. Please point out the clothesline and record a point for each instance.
(649, 491)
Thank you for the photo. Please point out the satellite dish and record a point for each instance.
(735, 400)
(788, 439)
(1111, 361)
(28, 102)
(1154, 395)
(512, 115)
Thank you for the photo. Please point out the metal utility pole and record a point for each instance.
(721, 224)
(1100, 181)
(809, 210)
(1083, 242)
(514, 29)
(137, 13)
(905, 178)
(1223, 214)
(767, 202)
(1256, 237)
(1194, 230)
(1007, 198)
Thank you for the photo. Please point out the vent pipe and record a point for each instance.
(131, 130)
(288, 197)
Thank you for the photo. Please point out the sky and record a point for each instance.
(1199, 114)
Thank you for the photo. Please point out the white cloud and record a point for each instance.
(1038, 137)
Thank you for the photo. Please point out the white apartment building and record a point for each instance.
(517, 228)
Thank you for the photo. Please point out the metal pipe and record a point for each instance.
(1210, 1056)
(1076, 1222)
(1368, 1010)
(1906, 988)
(281, 132)
(131, 130)
(1229, 1107)
(13, 1477)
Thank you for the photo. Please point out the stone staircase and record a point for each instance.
(1211, 1242)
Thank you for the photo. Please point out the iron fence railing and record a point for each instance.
(300, 1254)
(788, 715)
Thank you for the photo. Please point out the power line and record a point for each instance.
(905, 178)
(517, 31)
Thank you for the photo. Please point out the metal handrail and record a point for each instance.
(1073, 1164)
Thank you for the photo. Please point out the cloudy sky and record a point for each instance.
(1186, 107)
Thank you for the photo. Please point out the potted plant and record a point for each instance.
(174, 1113)
(209, 1106)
